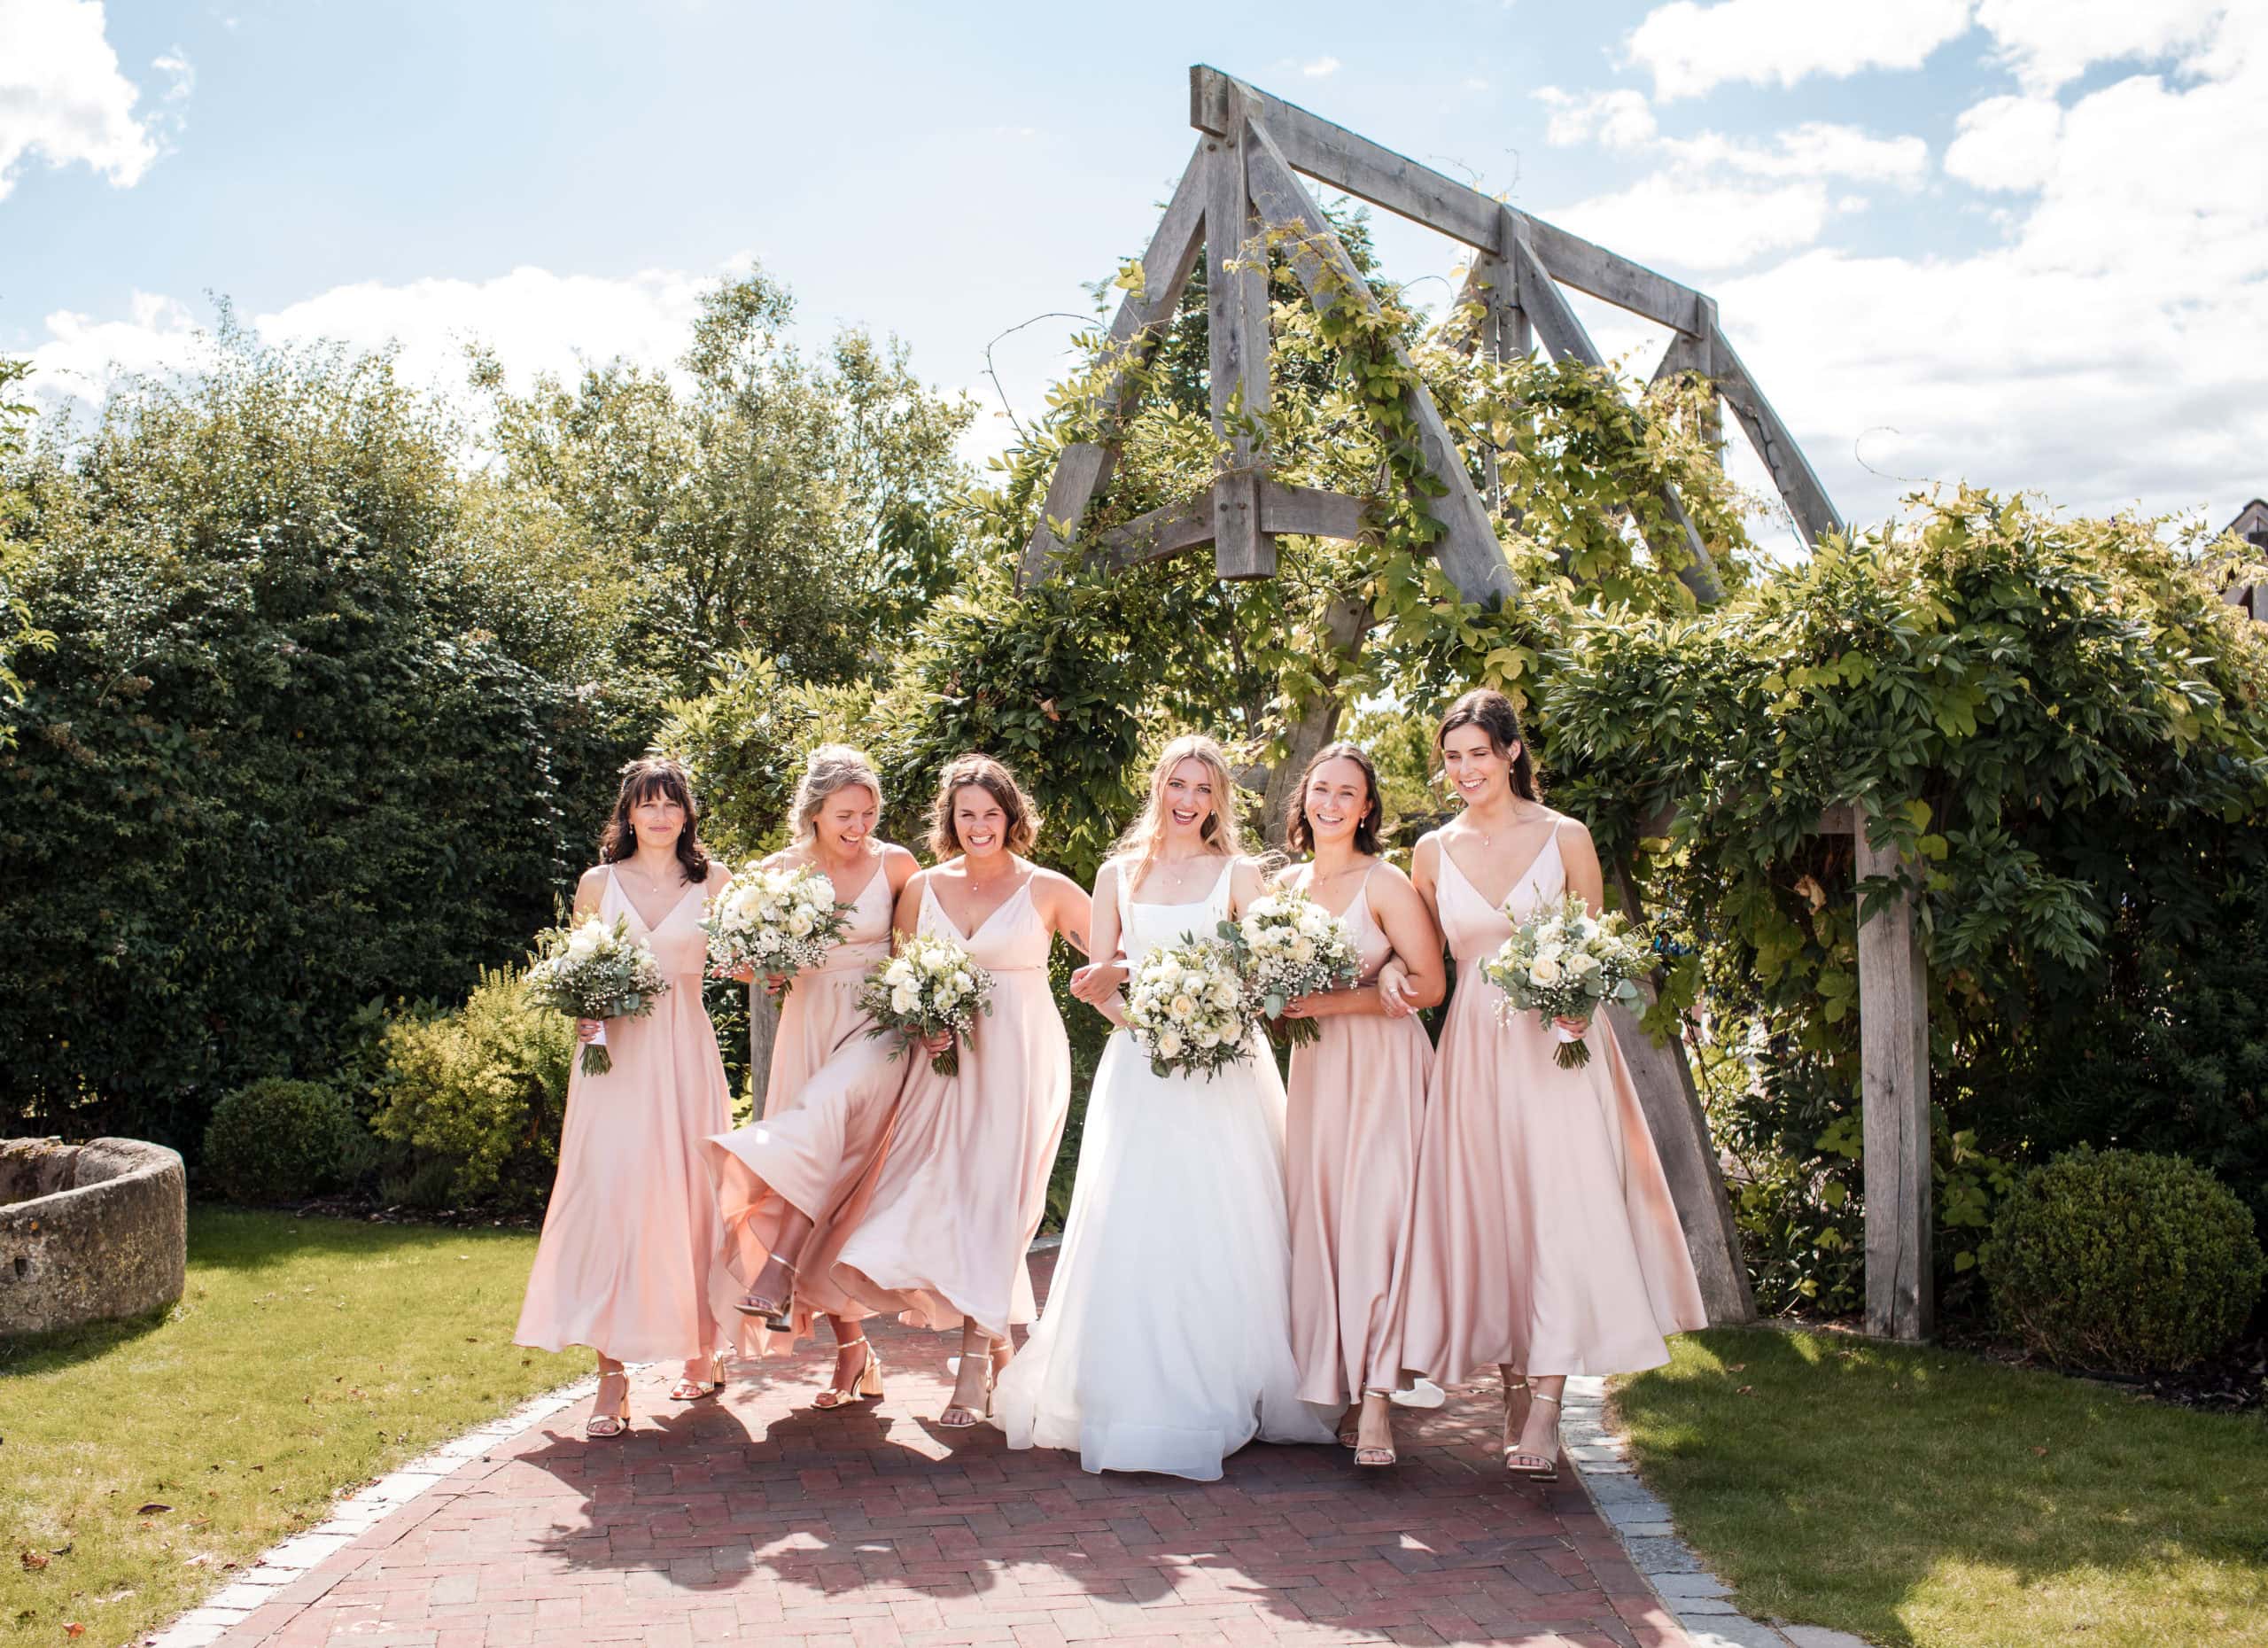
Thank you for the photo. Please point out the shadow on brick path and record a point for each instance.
(757, 1519)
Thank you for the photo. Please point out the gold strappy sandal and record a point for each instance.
(774, 1311)
(866, 1386)
(614, 1423)
(692, 1389)
(1534, 1467)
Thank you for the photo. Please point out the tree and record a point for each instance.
(797, 508)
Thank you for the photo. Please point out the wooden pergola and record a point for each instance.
(1244, 187)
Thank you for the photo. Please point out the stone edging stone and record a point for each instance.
(1601, 1455)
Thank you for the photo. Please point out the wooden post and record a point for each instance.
(763, 1036)
(1235, 285)
(1895, 1075)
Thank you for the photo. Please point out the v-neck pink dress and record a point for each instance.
(1546, 1240)
(961, 1191)
(825, 1120)
(1356, 1108)
(623, 1264)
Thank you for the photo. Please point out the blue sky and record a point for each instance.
(2020, 241)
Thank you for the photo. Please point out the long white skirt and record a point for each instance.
(1165, 1344)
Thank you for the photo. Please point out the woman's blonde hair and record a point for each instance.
(996, 781)
(826, 769)
(1138, 848)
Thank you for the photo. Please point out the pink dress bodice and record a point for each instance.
(866, 939)
(677, 941)
(1011, 939)
(1476, 929)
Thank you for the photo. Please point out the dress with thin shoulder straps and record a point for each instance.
(1356, 1111)
(623, 1263)
(1546, 1240)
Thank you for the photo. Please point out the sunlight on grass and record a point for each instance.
(306, 1357)
(1925, 1498)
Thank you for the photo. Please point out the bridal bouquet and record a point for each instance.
(1187, 1007)
(1291, 946)
(777, 921)
(1565, 963)
(931, 985)
(593, 971)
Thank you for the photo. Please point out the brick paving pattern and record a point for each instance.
(756, 1518)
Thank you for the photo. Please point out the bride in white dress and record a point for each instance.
(1165, 1344)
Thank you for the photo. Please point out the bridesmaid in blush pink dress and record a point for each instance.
(623, 1263)
(1546, 1240)
(786, 1183)
(1357, 1109)
(960, 1193)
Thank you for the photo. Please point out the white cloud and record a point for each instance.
(535, 320)
(2051, 42)
(1320, 68)
(62, 97)
(2006, 142)
(1703, 225)
(1690, 47)
(2108, 353)
(1619, 118)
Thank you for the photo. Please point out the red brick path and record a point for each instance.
(756, 1518)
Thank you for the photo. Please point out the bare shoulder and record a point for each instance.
(1427, 856)
(786, 858)
(719, 873)
(1571, 830)
(592, 882)
(1046, 884)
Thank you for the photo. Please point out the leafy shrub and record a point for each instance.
(2122, 1261)
(278, 1140)
(482, 1090)
(276, 761)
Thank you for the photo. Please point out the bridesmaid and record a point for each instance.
(623, 1263)
(960, 1196)
(833, 1088)
(1357, 1106)
(1546, 1240)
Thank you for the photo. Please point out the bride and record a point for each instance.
(1165, 1344)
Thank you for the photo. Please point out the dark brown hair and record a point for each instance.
(996, 781)
(641, 780)
(1492, 712)
(1299, 835)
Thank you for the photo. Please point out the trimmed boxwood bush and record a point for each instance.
(2124, 1261)
(278, 1140)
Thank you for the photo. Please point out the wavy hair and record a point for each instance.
(1218, 832)
(1492, 712)
(1299, 835)
(995, 780)
(827, 769)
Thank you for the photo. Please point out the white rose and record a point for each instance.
(1208, 1039)
(1581, 965)
(898, 973)
(802, 924)
(1168, 1044)
(904, 1001)
(1303, 951)
(1544, 970)
(1224, 995)
(1182, 1006)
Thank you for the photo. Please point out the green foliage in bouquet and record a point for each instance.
(280, 1140)
(2129, 1263)
(478, 1095)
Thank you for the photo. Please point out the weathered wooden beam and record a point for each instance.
(1236, 287)
(1563, 334)
(1083, 469)
(1309, 510)
(1469, 553)
(1894, 1079)
(763, 1036)
(1165, 531)
(1369, 171)
(1790, 471)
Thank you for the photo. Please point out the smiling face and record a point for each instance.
(846, 817)
(1189, 800)
(1338, 796)
(659, 819)
(1477, 770)
(979, 823)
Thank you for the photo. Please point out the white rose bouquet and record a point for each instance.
(1187, 1007)
(1288, 947)
(931, 986)
(593, 971)
(1564, 962)
(777, 921)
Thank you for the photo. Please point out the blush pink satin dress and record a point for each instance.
(960, 1193)
(1546, 1240)
(825, 1121)
(623, 1264)
(1357, 1108)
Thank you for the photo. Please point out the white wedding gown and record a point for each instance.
(1165, 1344)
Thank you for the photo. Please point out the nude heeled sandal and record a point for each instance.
(774, 1311)
(692, 1389)
(865, 1388)
(1372, 1458)
(1534, 1467)
(616, 1422)
(972, 1417)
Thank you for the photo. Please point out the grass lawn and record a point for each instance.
(306, 1356)
(1927, 1497)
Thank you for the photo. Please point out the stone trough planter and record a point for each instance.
(89, 1233)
